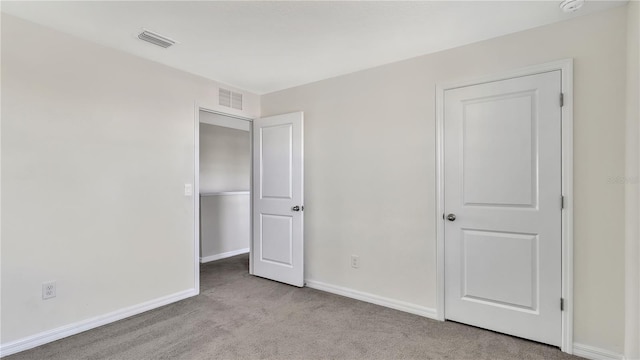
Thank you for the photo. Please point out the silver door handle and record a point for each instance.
(451, 217)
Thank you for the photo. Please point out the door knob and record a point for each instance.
(295, 208)
(451, 217)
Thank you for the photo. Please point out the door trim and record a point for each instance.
(566, 68)
(196, 187)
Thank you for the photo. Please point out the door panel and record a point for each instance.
(276, 154)
(505, 137)
(503, 280)
(276, 234)
(502, 156)
(278, 244)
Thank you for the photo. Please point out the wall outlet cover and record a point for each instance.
(355, 261)
(48, 290)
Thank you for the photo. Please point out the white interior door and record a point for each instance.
(278, 243)
(502, 169)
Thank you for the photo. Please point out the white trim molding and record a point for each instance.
(206, 259)
(196, 198)
(373, 299)
(594, 353)
(566, 68)
(45, 337)
(632, 187)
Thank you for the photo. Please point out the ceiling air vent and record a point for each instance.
(155, 39)
(230, 99)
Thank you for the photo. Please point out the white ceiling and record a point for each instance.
(266, 46)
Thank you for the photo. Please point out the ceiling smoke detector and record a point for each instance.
(155, 39)
(569, 6)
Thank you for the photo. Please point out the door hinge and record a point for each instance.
(561, 201)
(561, 99)
(561, 304)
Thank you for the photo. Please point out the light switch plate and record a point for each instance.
(188, 189)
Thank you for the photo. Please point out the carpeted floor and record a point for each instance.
(238, 316)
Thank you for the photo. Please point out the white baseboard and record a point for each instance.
(374, 299)
(594, 353)
(225, 255)
(88, 324)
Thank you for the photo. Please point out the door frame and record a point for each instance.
(566, 68)
(196, 187)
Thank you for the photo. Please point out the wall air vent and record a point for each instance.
(224, 97)
(155, 39)
(236, 101)
(230, 99)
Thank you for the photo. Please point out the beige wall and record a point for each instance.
(225, 159)
(225, 225)
(370, 160)
(632, 263)
(96, 148)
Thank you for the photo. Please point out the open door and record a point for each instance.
(278, 243)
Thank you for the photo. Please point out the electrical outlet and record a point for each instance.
(355, 261)
(48, 290)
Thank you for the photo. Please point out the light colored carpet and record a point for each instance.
(238, 316)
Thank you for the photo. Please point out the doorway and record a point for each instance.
(504, 203)
(266, 218)
(224, 185)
